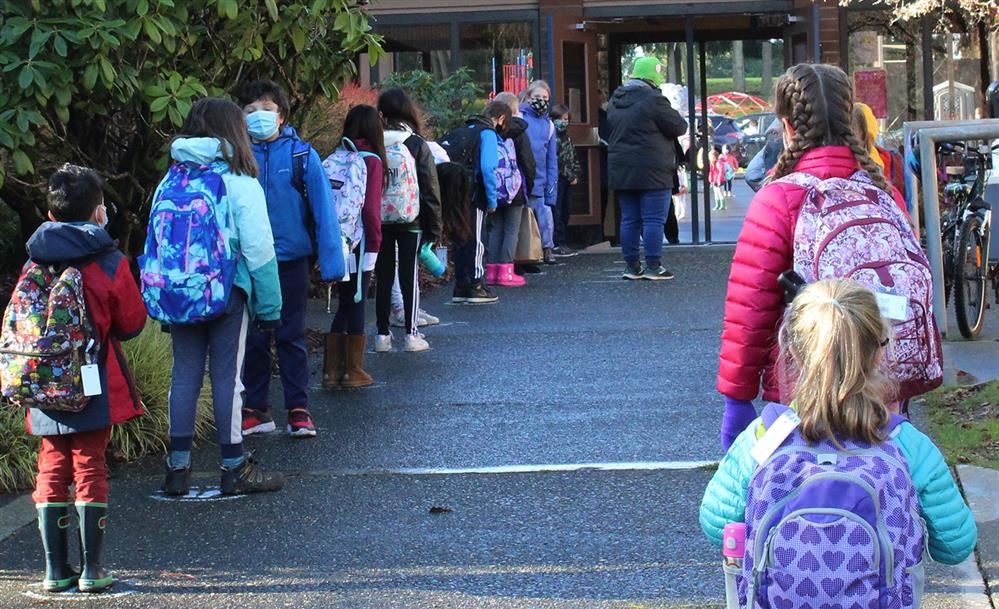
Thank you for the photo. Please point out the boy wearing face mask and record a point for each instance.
(568, 176)
(305, 224)
(536, 103)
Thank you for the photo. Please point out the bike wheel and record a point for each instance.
(969, 279)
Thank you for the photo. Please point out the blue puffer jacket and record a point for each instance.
(541, 132)
(287, 210)
(951, 525)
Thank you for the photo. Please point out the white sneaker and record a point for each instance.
(426, 319)
(383, 343)
(397, 320)
(416, 343)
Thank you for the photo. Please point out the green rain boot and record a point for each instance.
(53, 520)
(93, 520)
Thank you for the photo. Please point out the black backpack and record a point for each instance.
(462, 146)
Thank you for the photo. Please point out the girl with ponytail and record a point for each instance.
(815, 104)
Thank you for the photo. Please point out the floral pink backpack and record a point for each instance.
(848, 228)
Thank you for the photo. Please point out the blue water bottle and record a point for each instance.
(430, 261)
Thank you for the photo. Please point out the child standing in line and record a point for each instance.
(848, 476)
(344, 362)
(305, 225)
(75, 245)
(213, 164)
(731, 165)
(568, 176)
(716, 177)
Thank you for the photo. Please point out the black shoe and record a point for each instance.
(53, 522)
(178, 481)
(248, 477)
(565, 252)
(549, 256)
(93, 521)
(633, 270)
(480, 294)
(461, 293)
(527, 269)
(657, 273)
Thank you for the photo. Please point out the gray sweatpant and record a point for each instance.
(223, 342)
(502, 234)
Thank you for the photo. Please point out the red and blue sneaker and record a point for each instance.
(257, 421)
(300, 423)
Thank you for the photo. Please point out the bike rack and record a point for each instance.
(931, 132)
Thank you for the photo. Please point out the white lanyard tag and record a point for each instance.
(91, 377)
(892, 306)
(775, 436)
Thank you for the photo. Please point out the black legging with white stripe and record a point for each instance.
(408, 241)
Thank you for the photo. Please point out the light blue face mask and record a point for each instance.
(262, 124)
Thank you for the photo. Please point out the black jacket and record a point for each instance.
(516, 130)
(643, 128)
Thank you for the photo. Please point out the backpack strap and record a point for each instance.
(348, 144)
(772, 412)
(299, 163)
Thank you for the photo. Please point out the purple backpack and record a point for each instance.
(832, 527)
(851, 229)
(508, 178)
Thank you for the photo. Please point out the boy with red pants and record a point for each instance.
(74, 443)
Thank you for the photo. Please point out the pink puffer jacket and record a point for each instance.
(754, 303)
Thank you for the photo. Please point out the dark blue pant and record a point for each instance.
(349, 318)
(563, 203)
(643, 214)
(468, 255)
(293, 356)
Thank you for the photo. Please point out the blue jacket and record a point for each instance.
(541, 132)
(489, 143)
(951, 526)
(290, 218)
(256, 270)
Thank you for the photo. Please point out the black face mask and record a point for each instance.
(540, 105)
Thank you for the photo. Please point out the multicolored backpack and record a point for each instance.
(401, 198)
(508, 177)
(46, 340)
(188, 266)
(832, 526)
(851, 229)
(348, 176)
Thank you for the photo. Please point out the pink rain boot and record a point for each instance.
(492, 273)
(507, 278)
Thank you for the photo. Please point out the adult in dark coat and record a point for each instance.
(642, 165)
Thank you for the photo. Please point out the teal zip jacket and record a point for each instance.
(951, 525)
(256, 269)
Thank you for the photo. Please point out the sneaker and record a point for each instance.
(479, 294)
(633, 270)
(383, 343)
(426, 319)
(549, 256)
(300, 423)
(249, 477)
(397, 319)
(657, 273)
(415, 343)
(527, 269)
(564, 252)
(257, 421)
(178, 481)
(460, 294)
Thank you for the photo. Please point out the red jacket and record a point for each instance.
(116, 312)
(371, 213)
(754, 304)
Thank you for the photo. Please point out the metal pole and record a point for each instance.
(706, 138)
(934, 245)
(695, 221)
(911, 184)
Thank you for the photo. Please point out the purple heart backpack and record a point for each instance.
(832, 527)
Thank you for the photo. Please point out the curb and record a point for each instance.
(16, 514)
(979, 487)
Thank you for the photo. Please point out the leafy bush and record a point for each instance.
(446, 103)
(323, 124)
(150, 358)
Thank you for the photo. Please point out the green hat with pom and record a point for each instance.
(648, 68)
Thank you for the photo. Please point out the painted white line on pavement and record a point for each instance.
(15, 514)
(533, 469)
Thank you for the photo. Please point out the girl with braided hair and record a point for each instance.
(815, 104)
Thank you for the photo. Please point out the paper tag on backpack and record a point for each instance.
(775, 436)
(91, 380)
(892, 306)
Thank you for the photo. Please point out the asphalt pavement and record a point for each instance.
(548, 451)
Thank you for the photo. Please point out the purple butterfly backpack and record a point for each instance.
(832, 527)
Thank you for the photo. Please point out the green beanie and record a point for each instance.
(648, 68)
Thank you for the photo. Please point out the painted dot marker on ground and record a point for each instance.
(206, 494)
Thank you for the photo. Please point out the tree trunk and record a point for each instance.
(767, 82)
(738, 67)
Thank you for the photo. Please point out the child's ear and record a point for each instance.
(52, 218)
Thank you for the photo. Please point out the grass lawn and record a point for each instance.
(964, 421)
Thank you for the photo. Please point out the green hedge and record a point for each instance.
(150, 358)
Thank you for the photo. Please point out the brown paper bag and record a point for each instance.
(529, 242)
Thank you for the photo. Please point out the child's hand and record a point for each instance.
(738, 415)
(574, 182)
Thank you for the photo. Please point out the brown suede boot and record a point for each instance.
(334, 360)
(355, 376)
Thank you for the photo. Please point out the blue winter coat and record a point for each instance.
(541, 132)
(951, 525)
(291, 217)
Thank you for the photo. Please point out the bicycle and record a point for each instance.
(966, 219)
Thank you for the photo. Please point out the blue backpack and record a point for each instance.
(188, 265)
